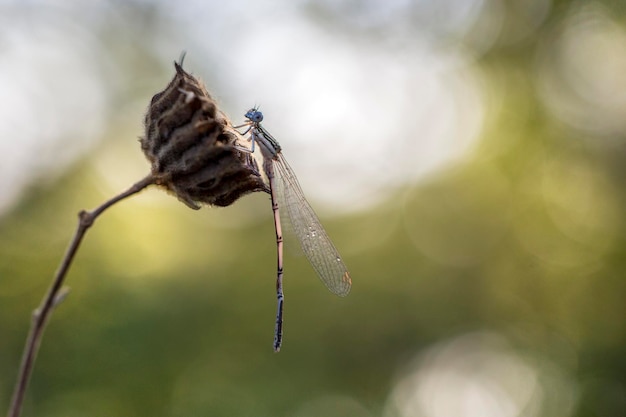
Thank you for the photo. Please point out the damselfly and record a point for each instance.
(287, 196)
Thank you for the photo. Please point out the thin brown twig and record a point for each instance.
(55, 295)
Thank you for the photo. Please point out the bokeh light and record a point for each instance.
(582, 71)
(466, 157)
(480, 375)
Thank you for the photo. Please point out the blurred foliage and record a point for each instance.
(520, 245)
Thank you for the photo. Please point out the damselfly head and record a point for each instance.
(193, 148)
(254, 115)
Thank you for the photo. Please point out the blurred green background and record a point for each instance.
(468, 157)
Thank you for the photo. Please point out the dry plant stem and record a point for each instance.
(54, 294)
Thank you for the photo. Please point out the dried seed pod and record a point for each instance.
(191, 145)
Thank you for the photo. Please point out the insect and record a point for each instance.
(287, 196)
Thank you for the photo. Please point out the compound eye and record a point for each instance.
(257, 116)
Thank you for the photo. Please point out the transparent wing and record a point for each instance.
(315, 243)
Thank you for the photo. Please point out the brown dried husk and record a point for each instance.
(191, 146)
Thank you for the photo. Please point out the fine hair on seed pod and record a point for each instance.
(192, 146)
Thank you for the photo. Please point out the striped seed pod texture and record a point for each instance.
(191, 146)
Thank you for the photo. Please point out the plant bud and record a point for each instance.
(191, 145)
